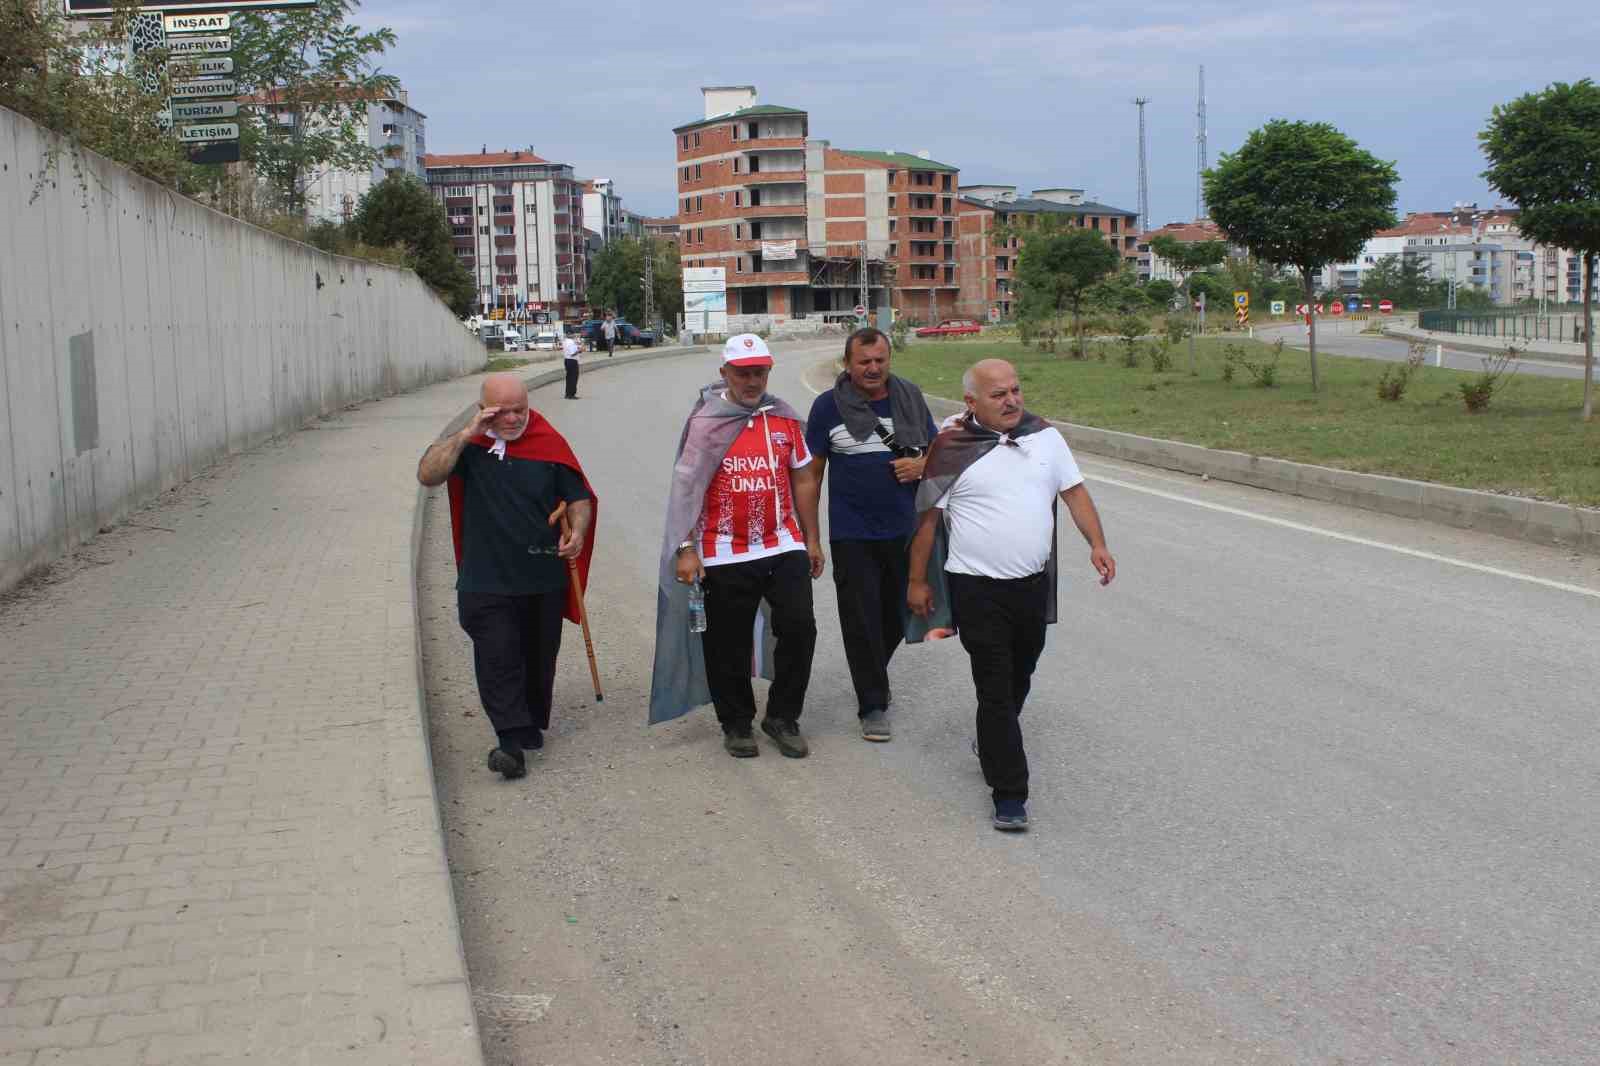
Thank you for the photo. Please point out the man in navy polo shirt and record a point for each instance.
(870, 432)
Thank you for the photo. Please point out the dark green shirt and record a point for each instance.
(508, 546)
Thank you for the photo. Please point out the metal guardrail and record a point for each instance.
(1564, 327)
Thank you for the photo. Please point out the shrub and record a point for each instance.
(1161, 355)
(899, 332)
(1395, 379)
(1496, 374)
(1264, 372)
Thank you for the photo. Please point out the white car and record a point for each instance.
(512, 340)
(546, 341)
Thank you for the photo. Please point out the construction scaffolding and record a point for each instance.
(866, 278)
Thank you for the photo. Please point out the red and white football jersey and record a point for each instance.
(749, 508)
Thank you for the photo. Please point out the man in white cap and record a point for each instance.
(741, 524)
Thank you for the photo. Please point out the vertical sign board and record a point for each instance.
(705, 288)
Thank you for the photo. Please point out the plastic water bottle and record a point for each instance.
(697, 608)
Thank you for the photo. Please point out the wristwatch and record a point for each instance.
(684, 546)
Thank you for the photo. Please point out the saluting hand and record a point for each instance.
(481, 422)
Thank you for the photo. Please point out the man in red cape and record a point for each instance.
(508, 471)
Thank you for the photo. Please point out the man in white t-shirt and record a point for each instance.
(571, 359)
(989, 492)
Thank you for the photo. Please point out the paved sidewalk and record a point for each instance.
(218, 837)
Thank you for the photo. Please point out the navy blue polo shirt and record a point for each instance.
(865, 502)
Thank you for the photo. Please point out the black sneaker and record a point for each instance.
(786, 734)
(1010, 815)
(740, 743)
(508, 764)
(875, 725)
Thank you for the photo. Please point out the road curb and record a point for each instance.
(1453, 341)
(1515, 517)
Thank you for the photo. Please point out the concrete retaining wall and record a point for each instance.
(143, 337)
(1558, 524)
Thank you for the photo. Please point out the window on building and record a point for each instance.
(894, 250)
(697, 140)
(480, 210)
(697, 172)
(502, 190)
(685, 140)
(688, 204)
(502, 209)
(891, 203)
(946, 185)
(755, 132)
(483, 231)
(755, 197)
(457, 190)
(892, 174)
(892, 223)
(738, 265)
(735, 129)
(738, 198)
(1002, 262)
(460, 231)
(1114, 228)
(946, 206)
(738, 231)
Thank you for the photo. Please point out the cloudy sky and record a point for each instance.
(1027, 92)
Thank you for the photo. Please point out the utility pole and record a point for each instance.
(862, 298)
(650, 286)
(1200, 151)
(1144, 174)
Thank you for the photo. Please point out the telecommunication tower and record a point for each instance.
(1144, 173)
(1200, 150)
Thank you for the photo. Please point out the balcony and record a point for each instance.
(768, 277)
(505, 240)
(505, 261)
(771, 211)
(774, 177)
(770, 144)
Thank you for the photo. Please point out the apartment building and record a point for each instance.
(602, 210)
(661, 229)
(1152, 267)
(395, 129)
(988, 260)
(517, 223)
(803, 228)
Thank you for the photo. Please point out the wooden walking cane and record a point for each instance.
(560, 515)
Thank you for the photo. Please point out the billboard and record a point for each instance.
(89, 8)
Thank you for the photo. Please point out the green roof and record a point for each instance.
(758, 111)
(903, 160)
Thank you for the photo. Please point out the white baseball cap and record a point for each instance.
(746, 349)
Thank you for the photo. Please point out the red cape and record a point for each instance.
(540, 443)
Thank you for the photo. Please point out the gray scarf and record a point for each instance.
(678, 682)
(906, 407)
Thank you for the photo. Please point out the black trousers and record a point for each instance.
(1001, 623)
(515, 641)
(869, 577)
(572, 378)
(734, 592)
(611, 345)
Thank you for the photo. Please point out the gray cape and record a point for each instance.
(678, 682)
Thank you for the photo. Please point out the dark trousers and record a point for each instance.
(1001, 623)
(734, 592)
(572, 378)
(611, 345)
(869, 577)
(515, 641)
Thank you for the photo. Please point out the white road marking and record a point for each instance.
(1415, 553)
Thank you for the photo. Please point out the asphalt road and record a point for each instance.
(1368, 346)
(1310, 786)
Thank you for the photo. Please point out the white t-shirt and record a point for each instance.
(570, 349)
(998, 513)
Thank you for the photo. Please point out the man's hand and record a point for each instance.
(919, 597)
(819, 561)
(909, 470)
(1102, 561)
(480, 422)
(689, 567)
(571, 545)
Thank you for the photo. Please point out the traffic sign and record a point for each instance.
(189, 45)
(211, 131)
(200, 68)
(1241, 299)
(1302, 309)
(1386, 307)
(214, 152)
(994, 314)
(199, 90)
(861, 312)
(1338, 307)
(1355, 305)
(1278, 306)
(204, 110)
(208, 23)
(1321, 308)
(1366, 305)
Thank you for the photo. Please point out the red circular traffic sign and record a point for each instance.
(860, 311)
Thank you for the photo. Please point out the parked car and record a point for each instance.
(951, 327)
(546, 341)
(511, 341)
(631, 336)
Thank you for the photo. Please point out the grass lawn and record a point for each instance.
(1531, 441)
(499, 363)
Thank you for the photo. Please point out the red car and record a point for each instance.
(950, 327)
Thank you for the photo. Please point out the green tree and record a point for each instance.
(76, 82)
(616, 279)
(310, 71)
(668, 272)
(1544, 155)
(1187, 257)
(400, 211)
(1119, 292)
(1055, 269)
(1301, 194)
(1161, 293)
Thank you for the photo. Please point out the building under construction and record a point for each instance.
(805, 229)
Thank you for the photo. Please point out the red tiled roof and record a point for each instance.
(481, 159)
(1187, 232)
